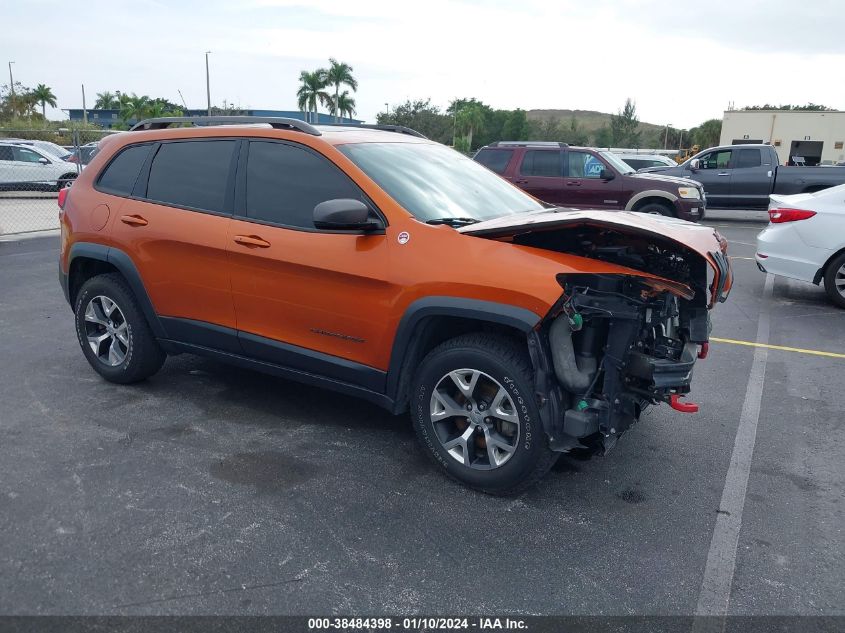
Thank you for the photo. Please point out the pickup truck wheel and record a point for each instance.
(113, 332)
(473, 408)
(834, 280)
(656, 208)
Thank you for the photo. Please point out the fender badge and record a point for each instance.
(403, 237)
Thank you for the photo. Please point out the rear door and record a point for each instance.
(752, 177)
(585, 188)
(715, 174)
(540, 173)
(8, 168)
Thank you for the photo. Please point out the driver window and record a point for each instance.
(584, 165)
(26, 155)
(716, 160)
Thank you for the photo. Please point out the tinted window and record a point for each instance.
(192, 174)
(6, 153)
(494, 159)
(748, 158)
(584, 165)
(285, 183)
(119, 177)
(541, 163)
(716, 160)
(640, 163)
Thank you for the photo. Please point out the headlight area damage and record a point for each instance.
(615, 343)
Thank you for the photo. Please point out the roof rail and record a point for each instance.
(279, 123)
(399, 129)
(528, 144)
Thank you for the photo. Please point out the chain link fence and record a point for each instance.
(34, 165)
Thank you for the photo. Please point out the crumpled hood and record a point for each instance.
(701, 239)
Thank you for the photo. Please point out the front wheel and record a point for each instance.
(656, 208)
(474, 411)
(64, 181)
(834, 281)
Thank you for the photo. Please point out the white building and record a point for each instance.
(815, 137)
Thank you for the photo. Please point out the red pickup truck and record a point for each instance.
(587, 178)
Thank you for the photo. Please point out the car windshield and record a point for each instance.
(434, 182)
(618, 164)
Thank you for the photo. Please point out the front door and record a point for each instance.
(714, 173)
(540, 173)
(305, 298)
(585, 187)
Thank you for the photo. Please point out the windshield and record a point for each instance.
(434, 182)
(618, 164)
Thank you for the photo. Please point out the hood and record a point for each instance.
(702, 240)
(659, 177)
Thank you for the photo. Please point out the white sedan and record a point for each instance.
(805, 239)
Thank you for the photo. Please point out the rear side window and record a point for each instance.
(494, 159)
(748, 158)
(538, 162)
(122, 172)
(285, 183)
(192, 174)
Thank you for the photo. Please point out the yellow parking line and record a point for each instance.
(782, 348)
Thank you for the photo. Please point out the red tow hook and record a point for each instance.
(704, 350)
(683, 407)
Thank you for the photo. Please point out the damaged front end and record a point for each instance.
(614, 343)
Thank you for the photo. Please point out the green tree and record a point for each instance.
(107, 101)
(339, 74)
(344, 104)
(44, 95)
(547, 129)
(135, 107)
(574, 134)
(814, 107)
(422, 116)
(516, 126)
(312, 92)
(707, 134)
(603, 137)
(624, 126)
(470, 119)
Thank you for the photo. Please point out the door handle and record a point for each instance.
(724, 173)
(134, 220)
(252, 241)
(576, 183)
(520, 182)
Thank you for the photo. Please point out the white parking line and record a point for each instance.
(721, 559)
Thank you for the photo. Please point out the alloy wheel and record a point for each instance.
(106, 330)
(474, 419)
(839, 280)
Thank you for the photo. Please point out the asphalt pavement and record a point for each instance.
(215, 490)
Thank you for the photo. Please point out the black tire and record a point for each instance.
(64, 181)
(506, 362)
(143, 356)
(831, 275)
(657, 208)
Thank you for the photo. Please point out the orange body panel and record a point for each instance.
(339, 294)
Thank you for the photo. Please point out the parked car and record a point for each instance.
(644, 161)
(386, 266)
(45, 146)
(24, 167)
(805, 240)
(744, 176)
(586, 178)
(83, 154)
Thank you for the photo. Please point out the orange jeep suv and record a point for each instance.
(383, 265)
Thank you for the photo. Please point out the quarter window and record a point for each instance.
(285, 183)
(541, 163)
(120, 176)
(192, 174)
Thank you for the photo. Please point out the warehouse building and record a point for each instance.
(800, 137)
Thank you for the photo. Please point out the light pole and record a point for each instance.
(207, 82)
(666, 136)
(386, 110)
(12, 88)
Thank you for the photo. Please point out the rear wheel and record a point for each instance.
(657, 208)
(113, 333)
(834, 280)
(474, 411)
(65, 180)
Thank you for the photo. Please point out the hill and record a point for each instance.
(589, 120)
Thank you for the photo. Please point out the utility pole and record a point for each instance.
(84, 109)
(666, 137)
(207, 82)
(12, 88)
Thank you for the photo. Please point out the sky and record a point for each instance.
(681, 61)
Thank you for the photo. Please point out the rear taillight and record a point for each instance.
(779, 216)
(63, 196)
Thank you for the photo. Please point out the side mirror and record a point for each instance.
(345, 214)
(43, 161)
(695, 164)
(606, 174)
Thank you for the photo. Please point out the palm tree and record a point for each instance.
(107, 101)
(344, 104)
(470, 119)
(338, 74)
(311, 91)
(135, 107)
(44, 95)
